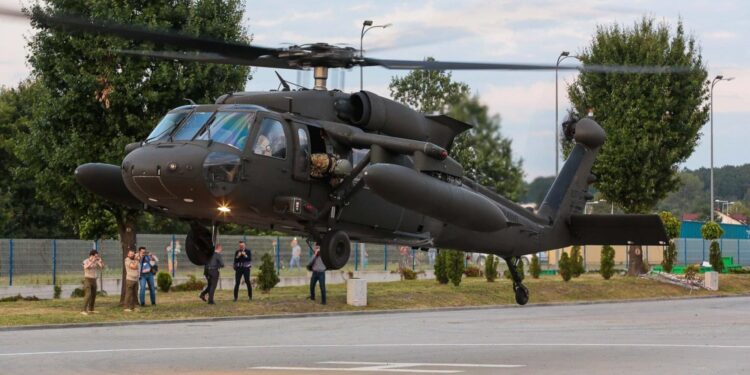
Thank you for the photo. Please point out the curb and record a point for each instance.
(354, 313)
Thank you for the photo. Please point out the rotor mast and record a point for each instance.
(321, 76)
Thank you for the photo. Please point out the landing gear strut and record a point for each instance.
(522, 293)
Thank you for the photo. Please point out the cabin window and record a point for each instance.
(191, 126)
(230, 128)
(271, 140)
(165, 126)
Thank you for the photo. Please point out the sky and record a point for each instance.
(497, 31)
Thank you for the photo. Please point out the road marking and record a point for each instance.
(356, 369)
(381, 345)
(392, 364)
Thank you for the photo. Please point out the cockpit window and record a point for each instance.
(230, 128)
(191, 126)
(271, 139)
(165, 126)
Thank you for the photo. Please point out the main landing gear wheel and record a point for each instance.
(520, 290)
(335, 249)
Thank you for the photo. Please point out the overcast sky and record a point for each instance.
(506, 31)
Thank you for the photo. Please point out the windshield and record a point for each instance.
(230, 128)
(165, 126)
(191, 126)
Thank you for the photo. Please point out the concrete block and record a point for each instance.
(356, 292)
(711, 281)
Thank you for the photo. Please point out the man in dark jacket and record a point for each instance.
(211, 271)
(242, 263)
(318, 276)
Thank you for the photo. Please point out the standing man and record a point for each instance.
(131, 280)
(242, 262)
(296, 253)
(211, 271)
(318, 275)
(91, 268)
(146, 277)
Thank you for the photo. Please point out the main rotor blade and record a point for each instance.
(172, 38)
(453, 65)
(210, 58)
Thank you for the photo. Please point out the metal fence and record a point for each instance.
(51, 261)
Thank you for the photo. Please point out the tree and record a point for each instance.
(535, 268)
(690, 197)
(565, 267)
(428, 90)
(652, 121)
(490, 268)
(267, 277)
(100, 101)
(607, 267)
(712, 231)
(441, 267)
(672, 225)
(576, 261)
(487, 156)
(455, 266)
(537, 189)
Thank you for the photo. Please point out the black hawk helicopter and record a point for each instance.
(335, 167)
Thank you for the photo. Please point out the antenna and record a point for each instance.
(283, 82)
(189, 101)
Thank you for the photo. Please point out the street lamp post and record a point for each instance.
(713, 83)
(366, 26)
(563, 55)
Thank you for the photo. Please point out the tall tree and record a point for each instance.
(652, 120)
(484, 153)
(100, 101)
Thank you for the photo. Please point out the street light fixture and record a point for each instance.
(563, 55)
(713, 83)
(366, 26)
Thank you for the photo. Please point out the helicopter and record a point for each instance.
(334, 167)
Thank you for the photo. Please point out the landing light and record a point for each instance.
(224, 209)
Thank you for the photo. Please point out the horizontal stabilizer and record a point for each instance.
(617, 230)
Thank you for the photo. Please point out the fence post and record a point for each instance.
(310, 250)
(356, 256)
(585, 262)
(10, 264)
(278, 254)
(54, 262)
(174, 256)
(704, 252)
(413, 259)
(738, 251)
(96, 245)
(684, 248)
(385, 258)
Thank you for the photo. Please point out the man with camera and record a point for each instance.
(91, 268)
(242, 263)
(146, 266)
(318, 269)
(131, 280)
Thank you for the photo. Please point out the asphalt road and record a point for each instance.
(701, 336)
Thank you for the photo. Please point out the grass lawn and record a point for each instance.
(381, 296)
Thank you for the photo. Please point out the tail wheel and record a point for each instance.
(335, 249)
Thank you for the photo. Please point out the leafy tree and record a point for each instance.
(441, 267)
(428, 90)
(267, 277)
(691, 197)
(607, 267)
(537, 189)
(100, 101)
(455, 266)
(712, 231)
(652, 120)
(565, 267)
(535, 267)
(490, 268)
(486, 155)
(576, 261)
(672, 225)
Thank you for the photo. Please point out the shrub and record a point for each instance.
(711, 231)
(490, 268)
(714, 256)
(607, 267)
(77, 293)
(267, 277)
(474, 271)
(441, 266)
(57, 291)
(669, 256)
(576, 261)
(535, 267)
(565, 267)
(192, 284)
(672, 226)
(408, 274)
(455, 263)
(164, 281)
(691, 272)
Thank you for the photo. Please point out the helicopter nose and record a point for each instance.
(165, 174)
